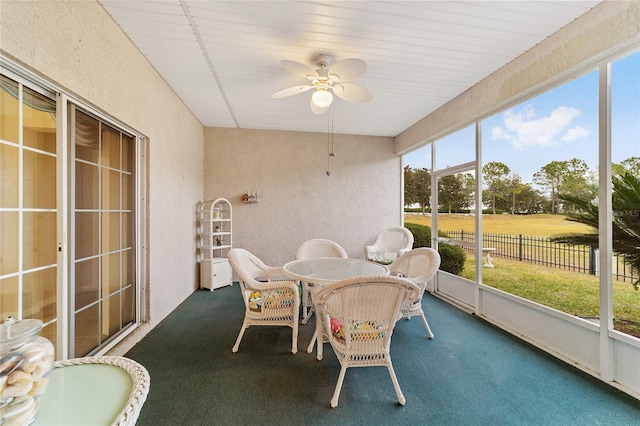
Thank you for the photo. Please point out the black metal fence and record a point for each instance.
(542, 251)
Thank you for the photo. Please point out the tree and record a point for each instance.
(493, 175)
(454, 193)
(626, 218)
(409, 187)
(530, 200)
(550, 177)
(515, 186)
(631, 165)
(417, 187)
(567, 176)
(576, 178)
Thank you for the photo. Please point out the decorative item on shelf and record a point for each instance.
(218, 242)
(250, 197)
(216, 212)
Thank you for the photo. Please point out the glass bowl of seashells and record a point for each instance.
(26, 359)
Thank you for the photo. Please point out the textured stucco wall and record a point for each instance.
(298, 201)
(608, 29)
(77, 46)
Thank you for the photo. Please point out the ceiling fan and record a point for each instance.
(326, 80)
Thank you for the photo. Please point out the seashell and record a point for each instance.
(9, 362)
(38, 387)
(20, 414)
(19, 378)
(4, 402)
(40, 370)
(12, 391)
(32, 358)
(18, 400)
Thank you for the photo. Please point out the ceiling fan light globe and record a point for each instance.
(322, 98)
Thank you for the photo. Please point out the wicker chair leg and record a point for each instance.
(336, 393)
(294, 338)
(426, 326)
(237, 345)
(396, 385)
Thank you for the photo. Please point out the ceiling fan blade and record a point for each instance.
(347, 69)
(290, 91)
(319, 110)
(299, 69)
(352, 92)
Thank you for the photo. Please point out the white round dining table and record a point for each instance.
(318, 272)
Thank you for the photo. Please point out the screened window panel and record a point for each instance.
(128, 153)
(39, 129)
(9, 300)
(87, 184)
(87, 234)
(110, 232)
(111, 316)
(39, 294)
(87, 332)
(39, 180)
(40, 242)
(110, 189)
(9, 176)
(110, 274)
(127, 230)
(128, 307)
(9, 108)
(87, 139)
(127, 192)
(128, 268)
(9, 242)
(87, 282)
(110, 147)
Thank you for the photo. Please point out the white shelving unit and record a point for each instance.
(215, 241)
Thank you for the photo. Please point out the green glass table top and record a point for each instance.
(86, 395)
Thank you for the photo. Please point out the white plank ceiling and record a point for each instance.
(222, 58)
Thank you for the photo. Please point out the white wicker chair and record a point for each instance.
(270, 298)
(310, 249)
(139, 388)
(359, 316)
(419, 266)
(390, 244)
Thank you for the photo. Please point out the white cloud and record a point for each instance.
(574, 133)
(523, 129)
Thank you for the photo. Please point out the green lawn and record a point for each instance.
(571, 292)
(535, 225)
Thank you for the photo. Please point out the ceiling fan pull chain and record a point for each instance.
(329, 142)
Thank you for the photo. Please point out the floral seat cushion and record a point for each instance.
(359, 330)
(272, 299)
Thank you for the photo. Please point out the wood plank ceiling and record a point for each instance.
(222, 58)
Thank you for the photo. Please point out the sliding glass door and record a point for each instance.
(82, 282)
(104, 254)
(28, 244)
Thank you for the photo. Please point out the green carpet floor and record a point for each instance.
(471, 374)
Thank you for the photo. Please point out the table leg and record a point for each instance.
(317, 334)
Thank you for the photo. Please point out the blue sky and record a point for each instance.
(559, 124)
